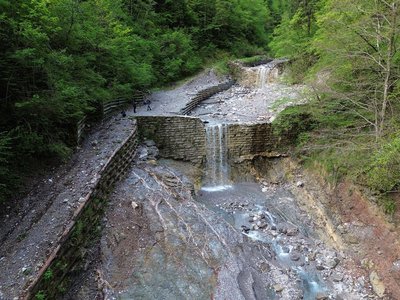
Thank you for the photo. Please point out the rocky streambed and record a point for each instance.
(173, 231)
(248, 240)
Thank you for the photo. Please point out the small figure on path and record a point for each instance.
(148, 103)
(134, 106)
(123, 113)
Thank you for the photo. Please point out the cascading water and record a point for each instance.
(266, 74)
(217, 168)
(262, 76)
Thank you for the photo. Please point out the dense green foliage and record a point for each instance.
(60, 59)
(296, 121)
(347, 51)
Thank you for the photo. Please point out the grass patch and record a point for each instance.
(254, 60)
(280, 102)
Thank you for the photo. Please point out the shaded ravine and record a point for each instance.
(245, 206)
(228, 240)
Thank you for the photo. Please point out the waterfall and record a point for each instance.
(217, 168)
(262, 76)
(266, 74)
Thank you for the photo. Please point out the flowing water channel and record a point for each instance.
(250, 210)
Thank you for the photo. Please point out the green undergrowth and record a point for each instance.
(219, 63)
(280, 102)
(344, 147)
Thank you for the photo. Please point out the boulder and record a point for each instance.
(377, 284)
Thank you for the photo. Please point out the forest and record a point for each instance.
(60, 59)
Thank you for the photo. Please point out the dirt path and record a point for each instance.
(170, 102)
(29, 234)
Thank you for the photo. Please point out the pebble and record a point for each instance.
(320, 267)
(337, 277)
(294, 256)
(278, 288)
(341, 229)
(245, 229)
(283, 230)
(300, 184)
(261, 224)
(292, 232)
(331, 263)
(321, 296)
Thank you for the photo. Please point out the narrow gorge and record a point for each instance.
(239, 224)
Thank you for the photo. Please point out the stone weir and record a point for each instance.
(177, 137)
(184, 138)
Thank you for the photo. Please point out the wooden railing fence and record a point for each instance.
(106, 109)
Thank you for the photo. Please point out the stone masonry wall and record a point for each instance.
(246, 140)
(177, 137)
(183, 138)
(54, 277)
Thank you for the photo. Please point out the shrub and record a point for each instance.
(383, 173)
(295, 120)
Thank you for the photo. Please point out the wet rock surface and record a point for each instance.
(320, 272)
(161, 241)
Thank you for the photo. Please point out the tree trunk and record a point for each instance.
(389, 65)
